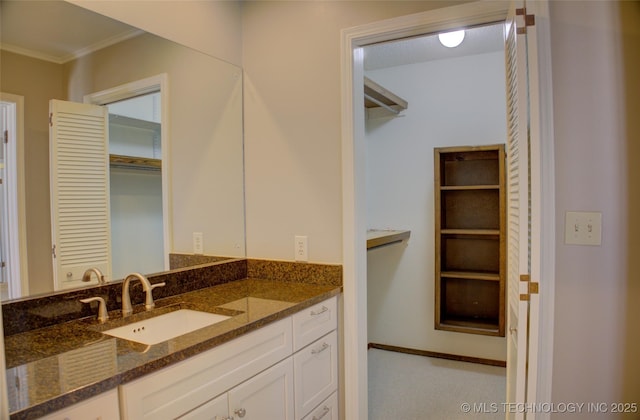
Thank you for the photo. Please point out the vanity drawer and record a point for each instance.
(316, 373)
(102, 407)
(176, 390)
(327, 410)
(314, 322)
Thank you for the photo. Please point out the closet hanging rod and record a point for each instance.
(382, 104)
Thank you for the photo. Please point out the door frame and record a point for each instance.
(140, 87)
(16, 207)
(354, 178)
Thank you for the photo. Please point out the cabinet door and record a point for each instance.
(268, 395)
(316, 373)
(216, 409)
(101, 407)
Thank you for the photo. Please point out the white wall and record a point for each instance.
(452, 102)
(596, 350)
(136, 222)
(292, 121)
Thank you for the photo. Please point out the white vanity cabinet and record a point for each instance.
(316, 358)
(178, 389)
(286, 370)
(102, 407)
(316, 373)
(268, 395)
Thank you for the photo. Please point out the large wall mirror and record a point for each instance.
(199, 173)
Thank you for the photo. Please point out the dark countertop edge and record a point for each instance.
(95, 389)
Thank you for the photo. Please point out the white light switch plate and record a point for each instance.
(583, 228)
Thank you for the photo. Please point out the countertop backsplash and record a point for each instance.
(31, 313)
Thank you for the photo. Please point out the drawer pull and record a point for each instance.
(321, 311)
(321, 349)
(325, 411)
(241, 412)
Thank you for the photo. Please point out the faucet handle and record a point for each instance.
(149, 304)
(102, 308)
(153, 286)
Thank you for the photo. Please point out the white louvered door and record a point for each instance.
(79, 179)
(518, 214)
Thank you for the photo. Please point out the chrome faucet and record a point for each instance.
(87, 275)
(146, 286)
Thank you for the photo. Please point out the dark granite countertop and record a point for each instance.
(60, 365)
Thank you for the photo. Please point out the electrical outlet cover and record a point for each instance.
(301, 248)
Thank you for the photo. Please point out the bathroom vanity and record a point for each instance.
(274, 354)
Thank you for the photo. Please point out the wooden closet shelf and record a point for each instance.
(485, 232)
(465, 324)
(135, 162)
(469, 187)
(470, 275)
(377, 238)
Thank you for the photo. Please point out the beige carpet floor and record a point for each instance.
(409, 387)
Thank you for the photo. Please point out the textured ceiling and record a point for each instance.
(477, 40)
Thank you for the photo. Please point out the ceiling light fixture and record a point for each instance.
(451, 39)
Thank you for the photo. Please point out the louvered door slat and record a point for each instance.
(79, 191)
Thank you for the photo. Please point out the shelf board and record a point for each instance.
(131, 122)
(379, 98)
(377, 238)
(468, 187)
(470, 275)
(134, 162)
(470, 325)
(484, 232)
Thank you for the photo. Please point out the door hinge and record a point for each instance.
(532, 287)
(529, 20)
(53, 251)
(51, 119)
(6, 136)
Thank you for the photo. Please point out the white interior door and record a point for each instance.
(523, 242)
(80, 208)
(13, 228)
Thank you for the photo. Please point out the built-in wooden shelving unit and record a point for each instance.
(470, 242)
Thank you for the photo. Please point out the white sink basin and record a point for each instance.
(165, 327)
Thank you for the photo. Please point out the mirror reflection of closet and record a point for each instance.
(135, 177)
